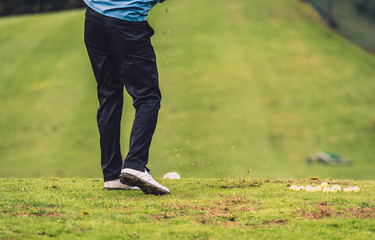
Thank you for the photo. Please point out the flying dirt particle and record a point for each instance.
(272, 103)
(54, 129)
(213, 108)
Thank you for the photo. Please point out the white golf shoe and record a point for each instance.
(143, 180)
(117, 185)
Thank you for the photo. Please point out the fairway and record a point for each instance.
(78, 208)
(249, 87)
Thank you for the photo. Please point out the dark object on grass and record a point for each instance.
(327, 158)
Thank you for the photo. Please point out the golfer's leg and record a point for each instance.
(138, 64)
(142, 85)
(110, 94)
(109, 121)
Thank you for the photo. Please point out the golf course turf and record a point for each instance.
(78, 208)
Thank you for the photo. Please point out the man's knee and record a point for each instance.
(150, 103)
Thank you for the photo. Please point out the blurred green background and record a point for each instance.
(353, 19)
(250, 88)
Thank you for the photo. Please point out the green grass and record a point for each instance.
(246, 85)
(78, 208)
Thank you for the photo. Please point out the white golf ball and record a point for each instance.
(292, 187)
(324, 184)
(326, 189)
(336, 187)
(318, 188)
(172, 175)
(356, 189)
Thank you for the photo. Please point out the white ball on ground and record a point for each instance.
(324, 184)
(356, 189)
(326, 189)
(172, 175)
(293, 187)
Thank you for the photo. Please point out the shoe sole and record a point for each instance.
(146, 187)
(110, 189)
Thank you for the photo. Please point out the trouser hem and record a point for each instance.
(111, 178)
(136, 167)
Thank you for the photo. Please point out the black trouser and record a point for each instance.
(121, 54)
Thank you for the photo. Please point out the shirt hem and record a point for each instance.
(118, 16)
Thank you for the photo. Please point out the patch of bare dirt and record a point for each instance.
(276, 221)
(158, 217)
(224, 211)
(31, 211)
(322, 210)
(240, 183)
(38, 214)
(359, 212)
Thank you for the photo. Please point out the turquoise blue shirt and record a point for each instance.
(130, 10)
